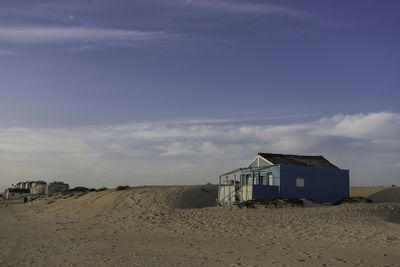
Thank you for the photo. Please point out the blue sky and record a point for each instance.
(104, 91)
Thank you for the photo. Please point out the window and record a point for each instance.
(263, 178)
(249, 179)
(270, 179)
(256, 180)
(300, 182)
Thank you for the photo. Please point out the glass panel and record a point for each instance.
(300, 182)
(242, 179)
(263, 179)
(254, 163)
(256, 180)
(249, 179)
(270, 179)
(263, 163)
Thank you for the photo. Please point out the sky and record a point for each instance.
(101, 92)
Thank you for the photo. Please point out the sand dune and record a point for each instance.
(388, 195)
(165, 226)
(378, 194)
(365, 191)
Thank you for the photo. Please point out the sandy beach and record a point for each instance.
(167, 226)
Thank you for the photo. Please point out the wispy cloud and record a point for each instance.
(6, 52)
(165, 153)
(253, 8)
(77, 35)
(231, 118)
(246, 6)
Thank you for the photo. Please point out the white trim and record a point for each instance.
(266, 160)
(251, 162)
(258, 157)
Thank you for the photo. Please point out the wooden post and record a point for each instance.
(219, 189)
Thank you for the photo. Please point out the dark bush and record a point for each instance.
(79, 189)
(102, 189)
(247, 204)
(68, 196)
(122, 187)
(276, 203)
(205, 190)
(353, 200)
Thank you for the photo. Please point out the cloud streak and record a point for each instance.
(256, 9)
(77, 35)
(5, 52)
(181, 153)
(247, 7)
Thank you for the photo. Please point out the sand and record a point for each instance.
(164, 226)
(388, 195)
(378, 194)
(365, 191)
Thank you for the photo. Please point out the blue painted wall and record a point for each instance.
(326, 185)
(261, 192)
(276, 174)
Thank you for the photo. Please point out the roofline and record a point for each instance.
(248, 169)
(259, 168)
(290, 154)
(330, 162)
(233, 171)
(258, 154)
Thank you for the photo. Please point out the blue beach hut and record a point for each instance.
(271, 176)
